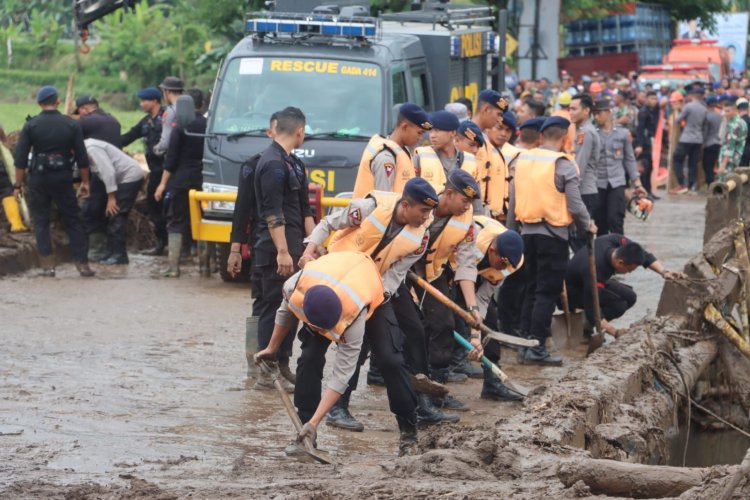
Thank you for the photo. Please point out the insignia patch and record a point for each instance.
(423, 245)
(355, 216)
(389, 167)
(246, 171)
(579, 138)
(426, 125)
(430, 202)
(470, 191)
(470, 235)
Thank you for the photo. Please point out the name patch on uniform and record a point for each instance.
(355, 216)
(389, 167)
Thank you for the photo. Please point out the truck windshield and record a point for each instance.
(339, 98)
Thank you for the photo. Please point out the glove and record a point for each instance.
(308, 430)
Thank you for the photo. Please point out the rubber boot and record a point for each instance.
(340, 417)
(286, 372)
(428, 413)
(98, 247)
(538, 356)
(84, 270)
(174, 248)
(13, 214)
(408, 443)
(494, 389)
(48, 266)
(251, 344)
(161, 244)
(204, 268)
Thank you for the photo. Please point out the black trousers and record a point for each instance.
(93, 212)
(156, 208)
(117, 226)
(710, 157)
(492, 348)
(614, 299)
(177, 210)
(56, 187)
(269, 288)
(592, 207)
(545, 261)
(410, 321)
(610, 217)
(510, 302)
(692, 152)
(648, 168)
(439, 325)
(386, 340)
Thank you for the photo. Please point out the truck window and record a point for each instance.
(336, 96)
(421, 92)
(399, 87)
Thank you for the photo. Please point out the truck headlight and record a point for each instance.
(219, 206)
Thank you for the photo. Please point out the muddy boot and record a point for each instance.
(13, 214)
(408, 444)
(48, 266)
(251, 344)
(286, 372)
(204, 268)
(174, 247)
(98, 247)
(444, 376)
(374, 377)
(494, 389)
(422, 383)
(161, 244)
(84, 270)
(538, 356)
(264, 382)
(460, 364)
(428, 413)
(340, 417)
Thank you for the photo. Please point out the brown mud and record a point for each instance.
(124, 386)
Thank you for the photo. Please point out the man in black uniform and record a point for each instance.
(149, 128)
(648, 118)
(55, 142)
(614, 254)
(284, 218)
(183, 171)
(96, 124)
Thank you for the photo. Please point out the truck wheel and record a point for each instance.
(222, 251)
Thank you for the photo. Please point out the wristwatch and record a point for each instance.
(473, 308)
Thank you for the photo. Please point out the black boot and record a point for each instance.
(374, 377)
(460, 364)
(538, 356)
(444, 376)
(428, 413)
(340, 417)
(493, 388)
(161, 245)
(408, 444)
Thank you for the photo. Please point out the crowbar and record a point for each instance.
(492, 366)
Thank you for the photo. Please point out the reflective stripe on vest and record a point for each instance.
(537, 197)
(488, 230)
(431, 168)
(355, 279)
(367, 236)
(402, 172)
(456, 230)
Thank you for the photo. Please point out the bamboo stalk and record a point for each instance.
(714, 317)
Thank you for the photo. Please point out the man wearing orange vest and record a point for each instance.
(386, 163)
(500, 136)
(546, 199)
(492, 167)
(333, 296)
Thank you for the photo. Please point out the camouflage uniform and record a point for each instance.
(734, 142)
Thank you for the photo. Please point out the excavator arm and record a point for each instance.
(88, 11)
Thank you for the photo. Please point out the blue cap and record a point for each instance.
(464, 182)
(509, 120)
(46, 92)
(535, 123)
(697, 89)
(716, 85)
(727, 98)
(322, 307)
(713, 100)
(149, 94)
(555, 121)
(510, 245)
(421, 191)
(494, 98)
(415, 114)
(471, 131)
(444, 120)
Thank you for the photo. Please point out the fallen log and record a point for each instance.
(609, 477)
(743, 472)
(714, 317)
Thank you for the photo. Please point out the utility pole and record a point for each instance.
(502, 30)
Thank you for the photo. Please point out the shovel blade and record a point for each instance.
(297, 450)
(597, 340)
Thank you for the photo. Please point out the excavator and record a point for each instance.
(88, 11)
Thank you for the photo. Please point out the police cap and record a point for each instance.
(322, 307)
(509, 244)
(471, 131)
(697, 88)
(728, 98)
(85, 99)
(172, 83)
(149, 94)
(742, 103)
(46, 92)
(415, 114)
(509, 120)
(712, 100)
(555, 121)
(444, 120)
(602, 105)
(535, 123)
(493, 98)
(463, 182)
(421, 191)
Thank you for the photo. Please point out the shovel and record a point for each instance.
(492, 366)
(597, 338)
(503, 338)
(307, 448)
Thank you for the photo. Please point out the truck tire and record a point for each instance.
(222, 253)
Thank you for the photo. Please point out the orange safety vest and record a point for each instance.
(493, 174)
(537, 197)
(456, 230)
(367, 236)
(355, 279)
(403, 170)
(489, 229)
(431, 168)
(510, 153)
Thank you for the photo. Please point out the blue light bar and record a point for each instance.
(316, 25)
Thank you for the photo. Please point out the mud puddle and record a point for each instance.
(707, 447)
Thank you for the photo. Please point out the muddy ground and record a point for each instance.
(125, 386)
